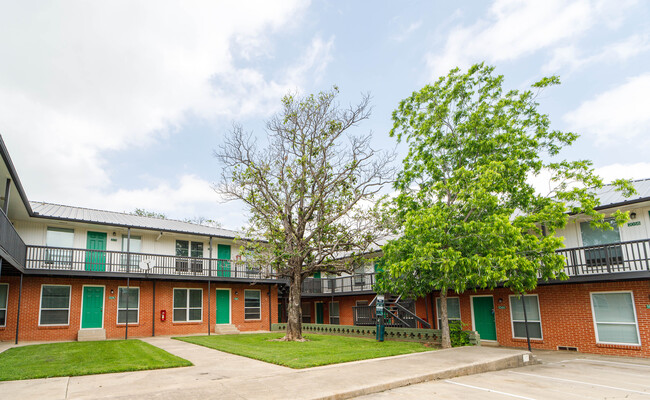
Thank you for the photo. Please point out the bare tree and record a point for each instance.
(311, 192)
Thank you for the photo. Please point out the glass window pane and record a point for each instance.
(334, 309)
(534, 329)
(613, 307)
(532, 308)
(3, 317)
(252, 313)
(453, 307)
(180, 298)
(593, 237)
(55, 297)
(133, 316)
(197, 249)
(133, 298)
(196, 298)
(195, 314)
(306, 308)
(54, 317)
(180, 314)
(59, 237)
(3, 296)
(182, 248)
(136, 243)
(617, 333)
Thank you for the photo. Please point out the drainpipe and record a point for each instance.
(128, 281)
(434, 320)
(209, 274)
(270, 310)
(5, 206)
(20, 295)
(153, 310)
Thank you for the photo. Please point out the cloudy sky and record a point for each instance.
(119, 104)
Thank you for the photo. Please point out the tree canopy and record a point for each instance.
(310, 191)
(467, 214)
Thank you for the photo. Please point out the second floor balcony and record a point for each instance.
(71, 261)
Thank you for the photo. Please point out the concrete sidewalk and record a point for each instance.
(221, 375)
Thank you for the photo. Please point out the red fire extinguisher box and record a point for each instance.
(163, 315)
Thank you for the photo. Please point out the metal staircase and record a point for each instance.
(398, 312)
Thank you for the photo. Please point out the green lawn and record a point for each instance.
(83, 358)
(319, 350)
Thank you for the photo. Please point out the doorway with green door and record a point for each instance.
(222, 308)
(483, 317)
(96, 255)
(320, 313)
(92, 307)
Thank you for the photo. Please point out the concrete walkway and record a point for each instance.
(218, 375)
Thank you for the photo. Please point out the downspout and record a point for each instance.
(210, 275)
(20, 295)
(128, 280)
(153, 310)
(434, 320)
(270, 308)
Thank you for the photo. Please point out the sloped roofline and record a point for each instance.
(14, 176)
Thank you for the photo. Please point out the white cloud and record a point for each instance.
(515, 28)
(568, 57)
(621, 112)
(405, 33)
(80, 78)
(609, 173)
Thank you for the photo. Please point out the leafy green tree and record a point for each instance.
(467, 213)
(309, 191)
(147, 213)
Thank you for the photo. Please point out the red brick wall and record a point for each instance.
(567, 318)
(30, 331)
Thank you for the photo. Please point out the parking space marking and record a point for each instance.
(581, 382)
(608, 362)
(489, 390)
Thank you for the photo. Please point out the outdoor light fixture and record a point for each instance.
(500, 300)
(113, 233)
(632, 215)
(112, 291)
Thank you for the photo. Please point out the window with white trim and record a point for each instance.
(334, 313)
(615, 318)
(252, 304)
(133, 246)
(55, 305)
(133, 303)
(4, 291)
(59, 237)
(532, 315)
(188, 305)
(453, 310)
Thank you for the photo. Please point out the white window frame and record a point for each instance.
(330, 312)
(40, 306)
(188, 308)
(259, 308)
(56, 256)
(460, 314)
(636, 319)
(6, 304)
(117, 316)
(539, 311)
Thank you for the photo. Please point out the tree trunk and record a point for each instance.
(445, 340)
(294, 318)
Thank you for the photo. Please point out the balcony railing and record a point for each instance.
(10, 241)
(68, 259)
(339, 284)
(620, 257)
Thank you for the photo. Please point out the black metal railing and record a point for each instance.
(10, 241)
(631, 256)
(340, 284)
(69, 259)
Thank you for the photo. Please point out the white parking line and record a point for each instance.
(489, 390)
(581, 382)
(607, 362)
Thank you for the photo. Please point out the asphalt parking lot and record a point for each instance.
(561, 375)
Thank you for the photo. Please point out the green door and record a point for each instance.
(96, 260)
(223, 265)
(319, 313)
(223, 306)
(484, 317)
(92, 314)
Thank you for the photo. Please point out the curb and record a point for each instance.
(514, 361)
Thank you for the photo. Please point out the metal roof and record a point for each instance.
(69, 213)
(609, 197)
